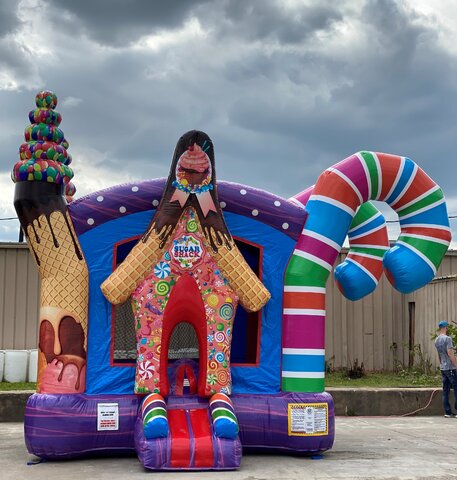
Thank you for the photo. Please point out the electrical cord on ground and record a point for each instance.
(422, 408)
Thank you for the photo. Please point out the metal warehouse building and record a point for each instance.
(382, 327)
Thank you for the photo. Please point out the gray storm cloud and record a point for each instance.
(300, 84)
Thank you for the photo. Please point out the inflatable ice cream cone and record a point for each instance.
(42, 179)
(118, 287)
(251, 292)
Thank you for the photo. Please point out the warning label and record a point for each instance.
(107, 416)
(308, 419)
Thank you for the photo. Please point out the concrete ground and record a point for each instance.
(365, 448)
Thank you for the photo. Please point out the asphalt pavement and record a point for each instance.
(365, 448)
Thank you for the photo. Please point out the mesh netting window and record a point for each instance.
(184, 342)
(124, 334)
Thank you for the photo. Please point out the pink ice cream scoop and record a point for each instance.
(193, 169)
(194, 158)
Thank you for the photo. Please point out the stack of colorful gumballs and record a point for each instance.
(44, 156)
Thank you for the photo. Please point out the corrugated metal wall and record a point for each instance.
(368, 329)
(365, 330)
(435, 302)
(19, 297)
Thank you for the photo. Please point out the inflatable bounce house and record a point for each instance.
(183, 319)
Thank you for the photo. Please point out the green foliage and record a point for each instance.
(329, 365)
(420, 374)
(421, 364)
(355, 370)
(382, 380)
(8, 387)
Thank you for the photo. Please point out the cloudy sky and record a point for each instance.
(284, 88)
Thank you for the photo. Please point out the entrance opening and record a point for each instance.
(182, 369)
(183, 342)
(246, 332)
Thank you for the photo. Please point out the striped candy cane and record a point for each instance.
(410, 264)
(225, 423)
(154, 414)
(361, 270)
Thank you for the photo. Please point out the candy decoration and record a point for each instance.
(162, 270)
(46, 99)
(226, 311)
(225, 423)
(44, 115)
(212, 300)
(410, 264)
(223, 376)
(146, 370)
(192, 226)
(154, 414)
(162, 288)
(43, 132)
(220, 338)
(44, 156)
(70, 189)
(220, 357)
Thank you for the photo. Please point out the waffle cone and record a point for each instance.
(250, 290)
(123, 281)
(64, 276)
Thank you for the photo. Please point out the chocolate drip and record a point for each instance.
(73, 239)
(78, 362)
(169, 212)
(33, 199)
(221, 238)
(71, 336)
(146, 235)
(165, 235)
(37, 260)
(46, 340)
(54, 239)
(37, 238)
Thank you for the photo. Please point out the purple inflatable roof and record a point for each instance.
(97, 208)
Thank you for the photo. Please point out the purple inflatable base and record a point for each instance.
(62, 426)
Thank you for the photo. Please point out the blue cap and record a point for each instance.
(443, 324)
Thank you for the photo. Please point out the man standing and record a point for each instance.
(448, 367)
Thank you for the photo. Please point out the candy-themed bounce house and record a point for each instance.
(183, 319)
